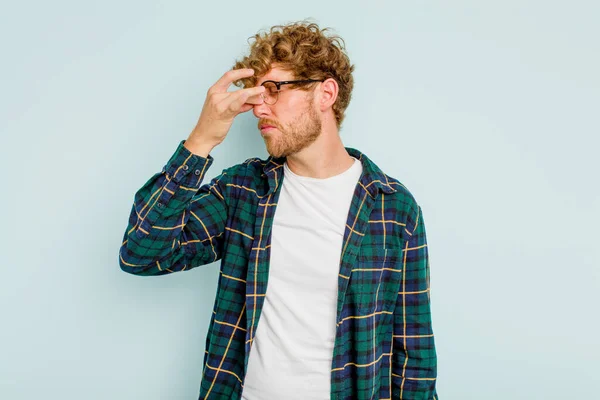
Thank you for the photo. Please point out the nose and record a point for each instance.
(261, 110)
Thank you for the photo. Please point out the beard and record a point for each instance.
(295, 136)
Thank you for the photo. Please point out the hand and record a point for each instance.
(219, 110)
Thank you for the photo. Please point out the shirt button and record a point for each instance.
(161, 205)
(197, 172)
(185, 167)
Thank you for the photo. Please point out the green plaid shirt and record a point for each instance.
(384, 344)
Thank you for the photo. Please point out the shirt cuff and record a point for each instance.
(186, 168)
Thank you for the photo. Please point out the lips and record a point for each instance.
(266, 128)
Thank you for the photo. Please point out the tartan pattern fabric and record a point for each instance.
(384, 344)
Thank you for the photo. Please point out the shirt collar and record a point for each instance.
(372, 178)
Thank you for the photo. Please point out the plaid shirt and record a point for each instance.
(384, 345)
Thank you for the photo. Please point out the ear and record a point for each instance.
(328, 94)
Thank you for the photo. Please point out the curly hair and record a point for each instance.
(305, 50)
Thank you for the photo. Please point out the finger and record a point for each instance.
(239, 98)
(246, 107)
(256, 99)
(230, 76)
(250, 103)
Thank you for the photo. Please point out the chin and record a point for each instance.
(277, 153)
(273, 150)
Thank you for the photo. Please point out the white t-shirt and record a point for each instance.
(293, 346)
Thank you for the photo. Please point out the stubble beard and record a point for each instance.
(298, 134)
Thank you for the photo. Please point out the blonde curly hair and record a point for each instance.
(305, 50)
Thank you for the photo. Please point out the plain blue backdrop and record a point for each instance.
(486, 111)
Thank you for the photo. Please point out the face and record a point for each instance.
(294, 118)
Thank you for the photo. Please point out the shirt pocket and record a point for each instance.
(376, 278)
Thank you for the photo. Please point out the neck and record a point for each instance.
(324, 158)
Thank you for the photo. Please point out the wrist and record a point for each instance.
(199, 148)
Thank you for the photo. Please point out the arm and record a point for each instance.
(414, 360)
(175, 224)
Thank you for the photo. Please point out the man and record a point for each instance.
(316, 243)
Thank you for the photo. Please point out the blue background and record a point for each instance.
(486, 111)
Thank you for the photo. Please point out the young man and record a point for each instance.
(316, 243)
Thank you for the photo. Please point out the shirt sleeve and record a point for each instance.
(176, 223)
(414, 360)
